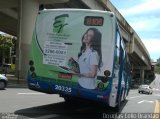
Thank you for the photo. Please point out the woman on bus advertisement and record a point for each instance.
(89, 59)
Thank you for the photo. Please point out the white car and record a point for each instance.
(3, 81)
(145, 89)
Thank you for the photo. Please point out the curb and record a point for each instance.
(14, 83)
(16, 86)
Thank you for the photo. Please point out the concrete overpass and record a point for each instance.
(17, 18)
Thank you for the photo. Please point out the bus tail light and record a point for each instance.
(100, 86)
(33, 75)
(107, 73)
(32, 69)
(31, 63)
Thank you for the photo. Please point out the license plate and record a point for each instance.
(65, 75)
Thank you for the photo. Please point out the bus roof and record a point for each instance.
(78, 10)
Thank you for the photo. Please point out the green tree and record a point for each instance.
(158, 60)
(157, 68)
(6, 44)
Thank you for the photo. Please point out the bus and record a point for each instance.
(79, 53)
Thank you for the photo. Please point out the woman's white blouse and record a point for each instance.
(85, 61)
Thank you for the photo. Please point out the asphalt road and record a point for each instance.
(140, 103)
(24, 103)
(31, 104)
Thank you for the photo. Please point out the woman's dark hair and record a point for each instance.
(95, 44)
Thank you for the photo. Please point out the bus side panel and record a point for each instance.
(121, 74)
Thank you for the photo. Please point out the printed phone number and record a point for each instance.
(63, 88)
(59, 52)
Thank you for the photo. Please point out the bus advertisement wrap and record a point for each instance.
(73, 53)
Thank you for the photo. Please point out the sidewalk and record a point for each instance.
(14, 83)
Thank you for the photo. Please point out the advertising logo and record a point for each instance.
(59, 23)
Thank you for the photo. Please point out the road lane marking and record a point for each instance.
(145, 101)
(30, 93)
(156, 89)
(47, 116)
(133, 93)
(157, 108)
(136, 96)
(156, 95)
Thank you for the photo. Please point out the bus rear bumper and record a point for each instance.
(51, 87)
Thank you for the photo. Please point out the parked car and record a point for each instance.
(145, 89)
(3, 81)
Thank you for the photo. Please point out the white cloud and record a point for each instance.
(139, 25)
(146, 6)
(144, 18)
(145, 23)
(152, 45)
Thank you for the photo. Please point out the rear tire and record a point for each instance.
(2, 85)
(117, 108)
(70, 100)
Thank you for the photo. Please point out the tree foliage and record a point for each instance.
(157, 68)
(6, 42)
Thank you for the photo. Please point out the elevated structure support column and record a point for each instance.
(142, 76)
(27, 16)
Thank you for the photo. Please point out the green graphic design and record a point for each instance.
(59, 23)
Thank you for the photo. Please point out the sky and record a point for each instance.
(144, 17)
